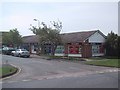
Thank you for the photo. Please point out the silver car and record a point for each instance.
(21, 53)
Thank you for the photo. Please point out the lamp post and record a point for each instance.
(38, 22)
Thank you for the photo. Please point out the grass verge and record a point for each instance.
(7, 70)
(98, 61)
(105, 62)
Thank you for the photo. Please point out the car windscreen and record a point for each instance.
(11, 49)
(23, 50)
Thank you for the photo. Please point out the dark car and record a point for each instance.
(8, 50)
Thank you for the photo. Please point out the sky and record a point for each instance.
(75, 16)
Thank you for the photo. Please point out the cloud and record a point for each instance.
(75, 16)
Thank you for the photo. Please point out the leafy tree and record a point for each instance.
(12, 38)
(118, 46)
(48, 35)
(111, 44)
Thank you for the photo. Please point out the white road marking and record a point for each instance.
(26, 80)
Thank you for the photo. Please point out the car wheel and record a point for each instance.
(12, 54)
(19, 55)
(28, 56)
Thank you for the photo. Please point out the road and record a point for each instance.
(41, 73)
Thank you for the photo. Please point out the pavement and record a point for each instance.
(37, 69)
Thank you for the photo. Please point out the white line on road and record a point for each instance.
(27, 80)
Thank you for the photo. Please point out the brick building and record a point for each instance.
(77, 44)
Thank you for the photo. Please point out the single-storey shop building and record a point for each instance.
(76, 44)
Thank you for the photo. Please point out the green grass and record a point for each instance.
(7, 70)
(105, 62)
(102, 58)
(99, 61)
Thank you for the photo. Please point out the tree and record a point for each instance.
(48, 35)
(12, 38)
(118, 46)
(111, 44)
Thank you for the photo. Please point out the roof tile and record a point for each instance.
(66, 37)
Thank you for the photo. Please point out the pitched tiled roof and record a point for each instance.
(76, 36)
(66, 37)
(31, 39)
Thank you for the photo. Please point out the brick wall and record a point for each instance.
(86, 50)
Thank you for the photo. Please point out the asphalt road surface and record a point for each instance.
(40, 73)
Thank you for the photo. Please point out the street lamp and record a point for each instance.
(38, 22)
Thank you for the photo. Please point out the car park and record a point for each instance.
(13, 52)
(21, 53)
(7, 50)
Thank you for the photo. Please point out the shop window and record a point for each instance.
(95, 49)
(73, 49)
(59, 49)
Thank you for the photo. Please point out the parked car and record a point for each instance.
(12, 53)
(7, 50)
(21, 53)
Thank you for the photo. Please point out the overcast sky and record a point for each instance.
(75, 16)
